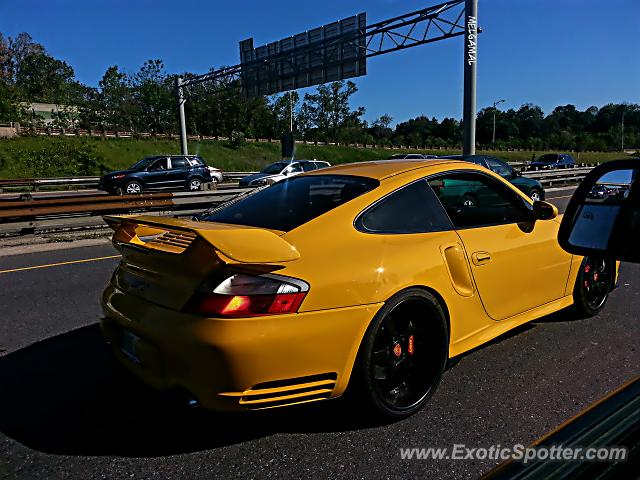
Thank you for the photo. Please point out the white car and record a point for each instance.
(216, 174)
(281, 170)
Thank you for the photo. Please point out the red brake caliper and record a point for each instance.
(410, 346)
(587, 269)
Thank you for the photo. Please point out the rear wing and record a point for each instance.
(237, 242)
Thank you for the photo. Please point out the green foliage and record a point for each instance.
(237, 140)
(328, 114)
(55, 157)
(46, 156)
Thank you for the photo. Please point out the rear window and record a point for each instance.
(179, 163)
(293, 202)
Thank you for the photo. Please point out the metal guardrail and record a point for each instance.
(561, 176)
(27, 214)
(26, 208)
(36, 184)
(550, 177)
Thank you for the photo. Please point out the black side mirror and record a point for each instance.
(544, 210)
(603, 216)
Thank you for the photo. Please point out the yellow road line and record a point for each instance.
(85, 260)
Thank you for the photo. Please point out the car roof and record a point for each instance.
(381, 169)
(165, 155)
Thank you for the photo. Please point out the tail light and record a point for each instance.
(251, 295)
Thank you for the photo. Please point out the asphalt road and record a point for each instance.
(66, 411)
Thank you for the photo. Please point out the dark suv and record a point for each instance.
(531, 187)
(182, 172)
(553, 160)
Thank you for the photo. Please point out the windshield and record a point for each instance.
(290, 203)
(275, 168)
(144, 163)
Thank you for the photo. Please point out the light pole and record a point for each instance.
(290, 112)
(493, 138)
(184, 149)
(622, 134)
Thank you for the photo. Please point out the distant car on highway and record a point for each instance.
(411, 156)
(160, 172)
(532, 188)
(281, 170)
(553, 160)
(216, 175)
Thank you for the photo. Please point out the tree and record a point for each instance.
(115, 101)
(380, 129)
(41, 77)
(328, 111)
(13, 52)
(152, 91)
(282, 107)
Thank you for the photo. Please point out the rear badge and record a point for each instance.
(397, 350)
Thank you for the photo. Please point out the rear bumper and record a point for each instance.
(237, 364)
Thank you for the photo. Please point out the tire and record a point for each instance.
(402, 356)
(194, 184)
(536, 195)
(133, 188)
(594, 282)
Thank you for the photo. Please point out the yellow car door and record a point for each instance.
(516, 262)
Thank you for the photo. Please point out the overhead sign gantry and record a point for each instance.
(340, 50)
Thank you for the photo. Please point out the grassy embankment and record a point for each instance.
(17, 155)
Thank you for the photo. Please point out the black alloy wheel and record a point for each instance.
(403, 354)
(593, 285)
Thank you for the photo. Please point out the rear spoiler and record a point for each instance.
(239, 243)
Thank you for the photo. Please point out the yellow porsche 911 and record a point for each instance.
(367, 275)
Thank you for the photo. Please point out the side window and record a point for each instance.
(500, 168)
(412, 209)
(195, 161)
(179, 163)
(476, 200)
(308, 166)
(293, 168)
(321, 164)
(160, 164)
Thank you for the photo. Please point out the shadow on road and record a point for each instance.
(65, 395)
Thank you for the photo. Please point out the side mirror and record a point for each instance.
(544, 210)
(603, 216)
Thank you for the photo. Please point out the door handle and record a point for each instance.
(480, 258)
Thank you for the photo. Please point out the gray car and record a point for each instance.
(281, 170)
(411, 156)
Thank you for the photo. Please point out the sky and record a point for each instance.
(546, 52)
